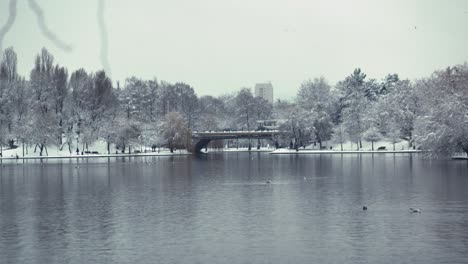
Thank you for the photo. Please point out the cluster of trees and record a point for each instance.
(430, 113)
(74, 110)
(356, 109)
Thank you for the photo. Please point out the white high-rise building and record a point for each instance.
(264, 90)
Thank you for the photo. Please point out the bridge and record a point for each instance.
(201, 139)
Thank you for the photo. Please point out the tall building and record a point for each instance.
(264, 90)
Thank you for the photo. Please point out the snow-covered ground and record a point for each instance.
(302, 151)
(366, 146)
(350, 147)
(99, 147)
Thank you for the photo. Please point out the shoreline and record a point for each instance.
(89, 156)
(276, 152)
(185, 153)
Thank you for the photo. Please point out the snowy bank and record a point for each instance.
(87, 156)
(99, 148)
(351, 148)
(366, 146)
(302, 151)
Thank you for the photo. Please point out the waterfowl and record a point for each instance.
(364, 208)
(268, 182)
(415, 210)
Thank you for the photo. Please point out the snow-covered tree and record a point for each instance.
(153, 88)
(175, 131)
(262, 109)
(282, 109)
(314, 98)
(244, 107)
(44, 115)
(213, 114)
(298, 129)
(339, 135)
(187, 103)
(135, 99)
(354, 104)
(9, 65)
(129, 134)
(167, 99)
(8, 84)
(394, 134)
(442, 126)
(61, 91)
(79, 106)
(372, 135)
(398, 105)
(149, 135)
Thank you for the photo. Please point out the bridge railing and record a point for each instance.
(242, 133)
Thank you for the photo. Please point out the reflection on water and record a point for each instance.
(219, 208)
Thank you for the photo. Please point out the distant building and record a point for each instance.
(264, 90)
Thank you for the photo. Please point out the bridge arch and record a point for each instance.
(201, 139)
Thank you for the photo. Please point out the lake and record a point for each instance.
(218, 208)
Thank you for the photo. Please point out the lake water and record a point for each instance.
(218, 208)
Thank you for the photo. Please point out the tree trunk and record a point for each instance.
(77, 146)
(393, 146)
(360, 143)
(372, 145)
(320, 144)
(410, 140)
(23, 147)
(341, 146)
(248, 125)
(108, 148)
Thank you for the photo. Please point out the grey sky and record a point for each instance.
(218, 46)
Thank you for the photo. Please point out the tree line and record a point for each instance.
(73, 110)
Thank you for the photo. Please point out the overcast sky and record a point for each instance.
(218, 46)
